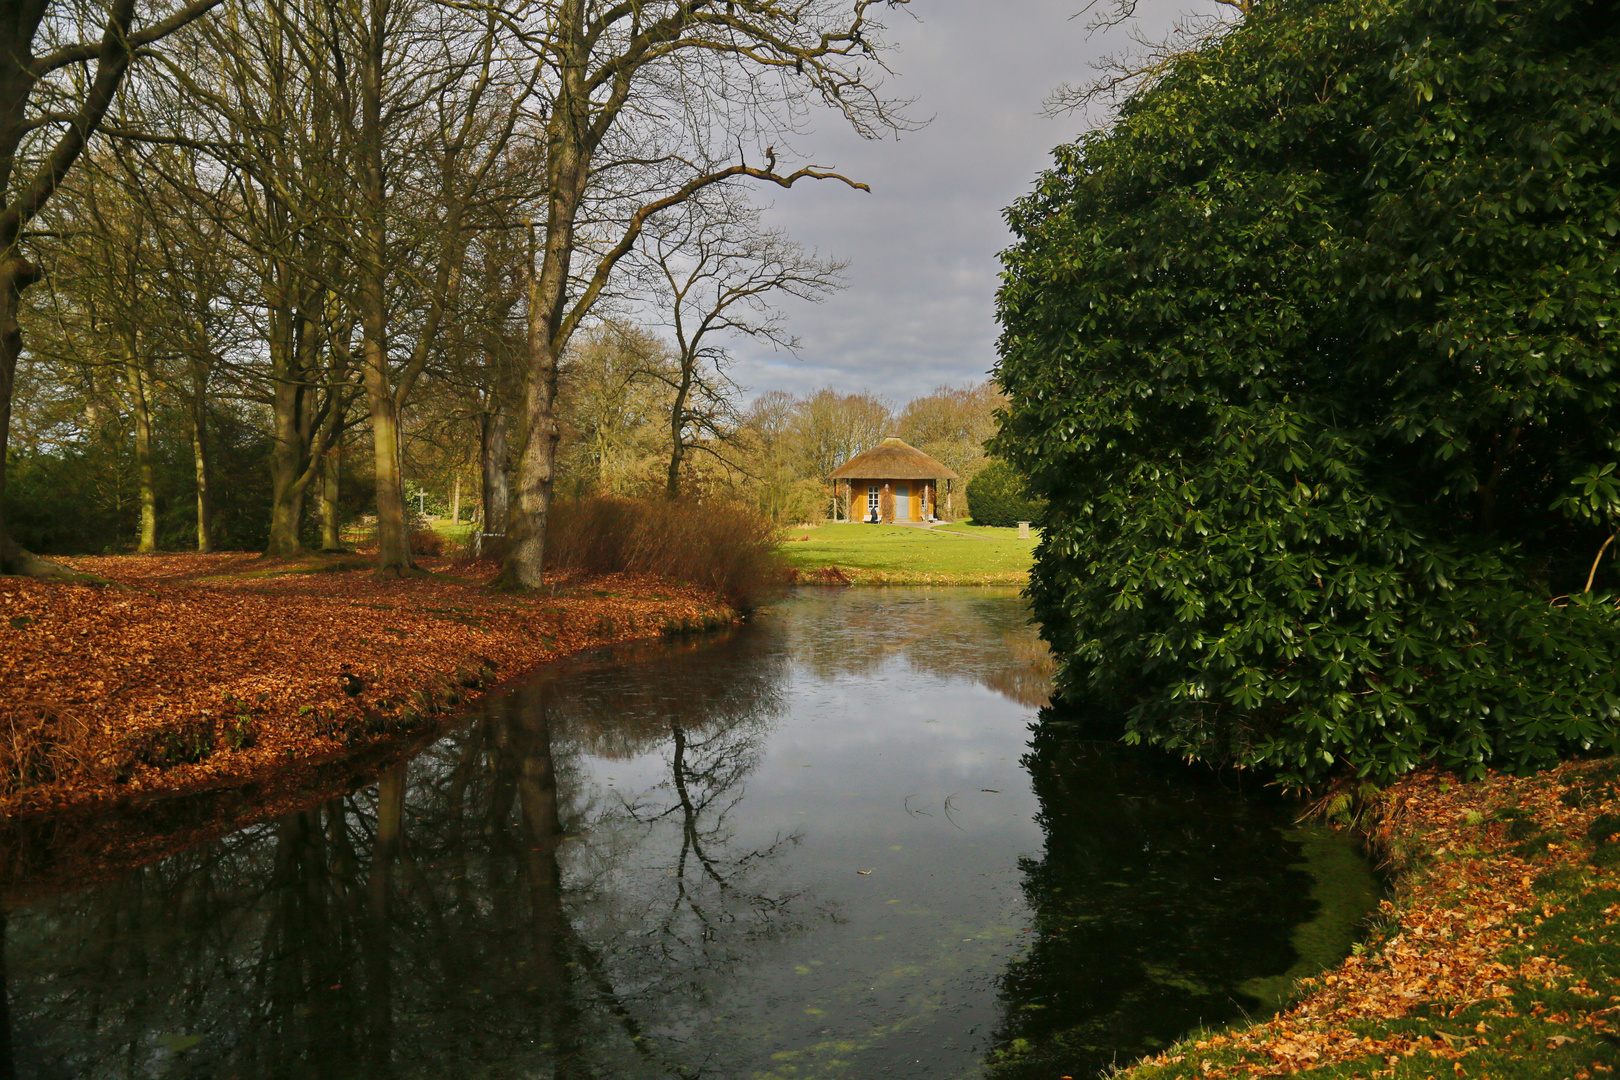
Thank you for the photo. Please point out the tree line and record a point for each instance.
(314, 232)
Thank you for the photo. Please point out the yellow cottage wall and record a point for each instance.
(920, 495)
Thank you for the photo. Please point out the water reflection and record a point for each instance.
(982, 635)
(1162, 904)
(425, 919)
(810, 848)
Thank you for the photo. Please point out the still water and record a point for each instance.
(830, 844)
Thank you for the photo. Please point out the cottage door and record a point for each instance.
(902, 502)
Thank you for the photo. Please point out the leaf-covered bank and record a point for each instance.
(1498, 957)
(195, 671)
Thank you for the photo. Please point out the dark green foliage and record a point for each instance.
(999, 496)
(1604, 828)
(82, 498)
(1313, 356)
(60, 504)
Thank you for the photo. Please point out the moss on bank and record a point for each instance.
(1498, 957)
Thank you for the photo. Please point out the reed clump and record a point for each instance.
(39, 743)
(724, 546)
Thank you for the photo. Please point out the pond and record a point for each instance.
(834, 843)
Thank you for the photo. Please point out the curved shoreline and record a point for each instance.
(1495, 957)
(210, 672)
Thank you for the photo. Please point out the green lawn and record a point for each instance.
(460, 534)
(986, 530)
(896, 555)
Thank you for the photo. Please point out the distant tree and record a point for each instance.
(1313, 355)
(952, 425)
(613, 401)
(764, 449)
(829, 428)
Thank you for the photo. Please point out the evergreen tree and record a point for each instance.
(1312, 353)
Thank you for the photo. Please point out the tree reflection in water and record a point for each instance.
(573, 885)
(439, 919)
(1164, 901)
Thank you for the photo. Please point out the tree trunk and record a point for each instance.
(331, 521)
(393, 544)
(140, 407)
(526, 536)
(677, 429)
(16, 274)
(497, 472)
(568, 162)
(199, 458)
(286, 493)
(289, 407)
(455, 501)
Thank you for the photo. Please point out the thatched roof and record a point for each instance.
(892, 459)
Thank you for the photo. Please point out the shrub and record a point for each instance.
(426, 542)
(40, 743)
(999, 496)
(724, 546)
(806, 503)
(1313, 354)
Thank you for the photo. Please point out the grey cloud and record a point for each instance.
(919, 311)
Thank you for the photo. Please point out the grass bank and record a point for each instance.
(1498, 956)
(196, 672)
(897, 555)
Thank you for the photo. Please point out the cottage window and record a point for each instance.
(872, 501)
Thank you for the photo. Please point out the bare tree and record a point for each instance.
(360, 140)
(648, 105)
(952, 423)
(270, 122)
(50, 105)
(719, 272)
(1119, 75)
(829, 428)
(460, 98)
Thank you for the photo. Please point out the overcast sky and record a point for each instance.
(919, 311)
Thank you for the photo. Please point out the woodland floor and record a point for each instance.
(1499, 955)
(193, 672)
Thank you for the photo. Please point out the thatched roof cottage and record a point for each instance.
(891, 482)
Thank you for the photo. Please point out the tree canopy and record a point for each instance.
(1312, 353)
